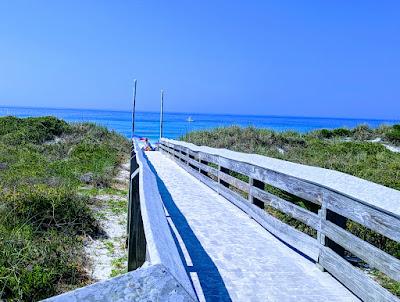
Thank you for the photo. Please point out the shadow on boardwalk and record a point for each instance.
(212, 284)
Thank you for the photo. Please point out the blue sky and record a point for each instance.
(298, 58)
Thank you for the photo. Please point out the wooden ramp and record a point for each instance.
(227, 254)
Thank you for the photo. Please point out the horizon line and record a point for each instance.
(226, 114)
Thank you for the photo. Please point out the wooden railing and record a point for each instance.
(337, 195)
(149, 236)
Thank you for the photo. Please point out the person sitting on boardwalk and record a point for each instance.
(147, 146)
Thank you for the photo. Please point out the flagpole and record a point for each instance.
(161, 114)
(134, 108)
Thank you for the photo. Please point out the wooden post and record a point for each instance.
(202, 171)
(199, 160)
(220, 181)
(327, 215)
(187, 156)
(320, 235)
(341, 222)
(162, 114)
(136, 237)
(258, 184)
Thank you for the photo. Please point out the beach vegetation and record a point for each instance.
(393, 135)
(45, 164)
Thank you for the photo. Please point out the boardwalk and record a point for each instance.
(228, 255)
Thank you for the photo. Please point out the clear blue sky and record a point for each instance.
(299, 58)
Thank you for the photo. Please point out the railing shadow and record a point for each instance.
(211, 282)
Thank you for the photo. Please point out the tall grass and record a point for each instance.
(43, 218)
(345, 150)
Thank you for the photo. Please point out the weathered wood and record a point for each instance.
(132, 167)
(320, 236)
(378, 221)
(239, 184)
(250, 197)
(300, 188)
(159, 247)
(290, 235)
(379, 197)
(205, 164)
(293, 237)
(203, 167)
(150, 283)
(335, 209)
(381, 222)
(222, 170)
(357, 281)
(208, 157)
(298, 240)
(309, 218)
(208, 181)
(367, 252)
(340, 221)
(255, 183)
(136, 237)
(193, 153)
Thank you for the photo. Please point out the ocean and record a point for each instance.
(176, 124)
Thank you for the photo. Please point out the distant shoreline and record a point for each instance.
(199, 113)
(176, 124)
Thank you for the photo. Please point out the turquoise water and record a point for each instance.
(176, 124)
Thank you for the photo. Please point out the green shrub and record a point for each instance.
(393, 135)
(362, 132)
(46, 207)
(35, 265)
(43, 216)
(343, 132)
(324, 133)
(14, 131)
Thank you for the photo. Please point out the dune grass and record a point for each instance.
(43, 215)
(346, 150)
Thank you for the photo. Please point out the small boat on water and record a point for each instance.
(189, 119)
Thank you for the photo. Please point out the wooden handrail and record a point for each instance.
(149, 235)
(339, 196)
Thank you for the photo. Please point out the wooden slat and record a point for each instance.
(208, 181)
(381, 222)
(365, 215)
(356, 280)
(367, 252)
(208, 157)
(368, 216)
(298, 240)
(196, 163)
(178, 154)
(295, 186)
(203, 167)
(241, 185)
(309, 218)
(159, 247)
(193, 153)
(300, 188)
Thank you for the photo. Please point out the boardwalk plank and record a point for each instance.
(232, 257)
